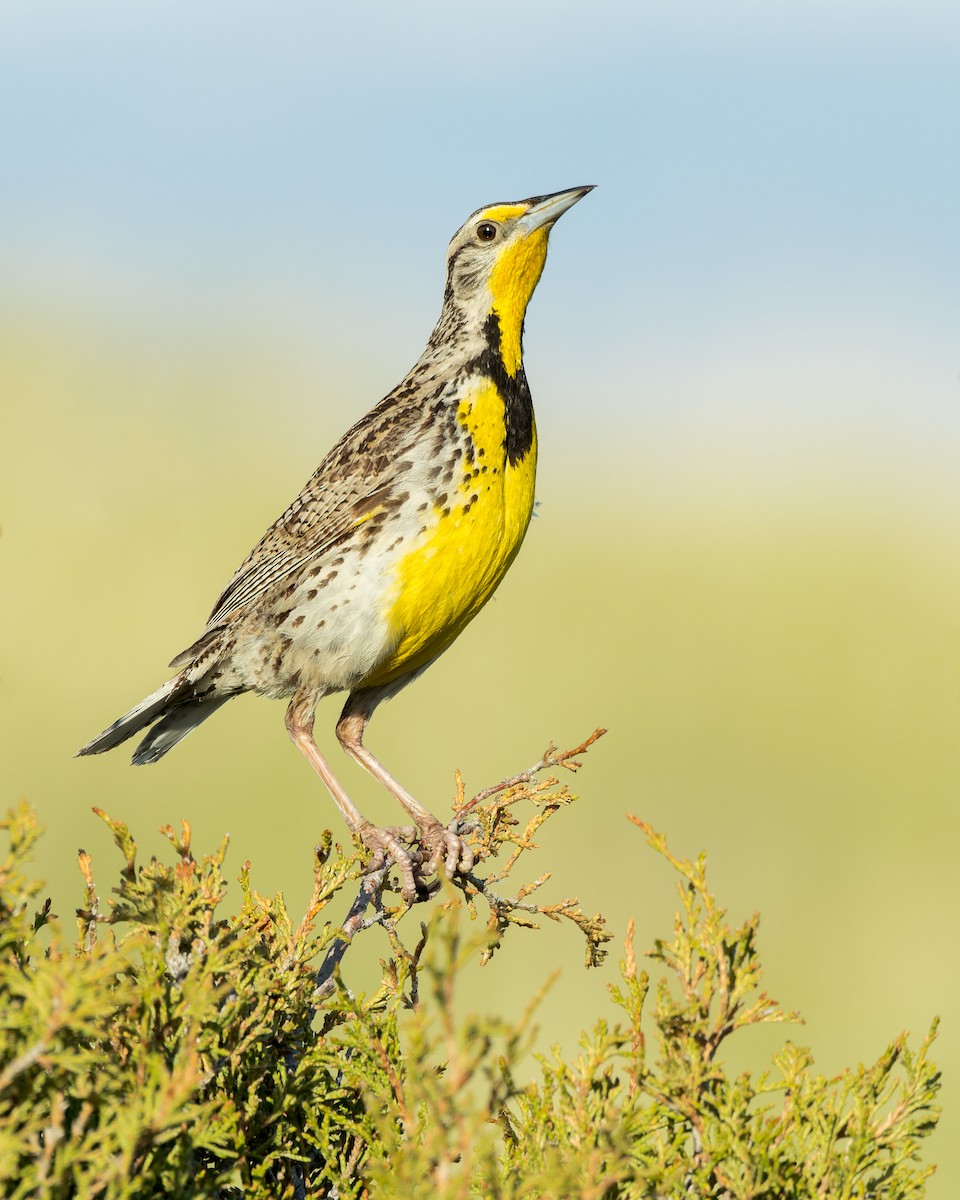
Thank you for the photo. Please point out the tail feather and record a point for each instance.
(174, 727)
(145, 713)
(175, 710)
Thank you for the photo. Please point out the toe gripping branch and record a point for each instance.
(481, 829)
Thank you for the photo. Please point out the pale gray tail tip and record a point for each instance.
(144, 754)
(112, 736)
(145, 713)
(169, 727)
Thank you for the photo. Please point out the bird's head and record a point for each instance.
(494, 262)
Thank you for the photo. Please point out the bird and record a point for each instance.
(393, 546)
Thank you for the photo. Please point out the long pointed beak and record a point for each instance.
(547, 209)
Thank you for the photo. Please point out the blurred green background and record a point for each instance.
(222, 240)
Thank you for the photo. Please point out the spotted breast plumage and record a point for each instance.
(393, 546)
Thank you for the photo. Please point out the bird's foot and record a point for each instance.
(418, 855)
(396, 844)
(443, 846)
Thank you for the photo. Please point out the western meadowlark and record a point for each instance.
(394, 545)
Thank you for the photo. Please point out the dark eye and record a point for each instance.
(486, 231)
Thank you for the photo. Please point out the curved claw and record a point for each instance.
(385, 845)
(420, 864)
(444, 845)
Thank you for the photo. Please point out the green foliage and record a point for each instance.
(176, 1051)
(676, 1124)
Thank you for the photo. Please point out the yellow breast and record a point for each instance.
(447, 577)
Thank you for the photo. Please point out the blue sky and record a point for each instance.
(772, 257)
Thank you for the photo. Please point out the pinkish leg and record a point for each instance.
(441, 844)
(383, 842)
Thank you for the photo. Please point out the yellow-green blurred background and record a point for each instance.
(221, 240)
